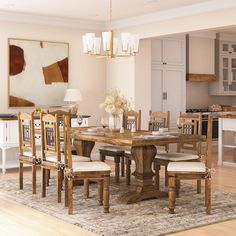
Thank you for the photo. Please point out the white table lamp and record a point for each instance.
(73, 96)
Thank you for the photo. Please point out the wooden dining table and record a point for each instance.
(143, 148)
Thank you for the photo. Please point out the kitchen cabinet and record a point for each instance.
(168, 84)
(9, 138)
(225, 67)
(168, 51)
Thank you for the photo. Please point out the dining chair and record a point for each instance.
(51, 156)
(190, 124)
(130, 119)
(27, 149)
(191, 171)
(157, 120)
(118, 152)
(97, 171)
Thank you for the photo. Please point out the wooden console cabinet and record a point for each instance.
(9, 138)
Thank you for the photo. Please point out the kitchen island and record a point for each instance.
(226, 123)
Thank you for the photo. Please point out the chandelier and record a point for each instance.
(111, 47)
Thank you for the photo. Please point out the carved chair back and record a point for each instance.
(132, 117)
(158, 120)
(190, 123)
(26, 133)
(60, 114)
(50, 137)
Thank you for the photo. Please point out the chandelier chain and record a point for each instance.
(110, 12)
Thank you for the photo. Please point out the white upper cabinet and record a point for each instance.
(168, 83)
(227, 47)
(225, 66)
(168, 51)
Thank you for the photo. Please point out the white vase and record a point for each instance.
(114, 122)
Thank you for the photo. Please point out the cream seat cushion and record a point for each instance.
(198, 167)
(176, 156)
(29, 153)
(90, 166)
(75, 158)
(112, 148)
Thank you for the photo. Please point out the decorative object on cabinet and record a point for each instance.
(92, 44)
(168, 76)
(115, 104)
(200, 77)
(225, 65)
(38, 72)
(73, 96)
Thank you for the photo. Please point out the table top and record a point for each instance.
(139, 138)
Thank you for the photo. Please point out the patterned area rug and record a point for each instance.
(145, 218)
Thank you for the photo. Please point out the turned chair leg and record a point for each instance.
(199, 186)
(86, 188)
(59, 183)
(66, 192)
(128, 171)
(47, 176)
(44, 180)
(70, 200)
(21, 175)
(100, 192)
(208, 196)
(122, 166)
(166, 176)
(157, 175)
(117, 169)
(172, 194)
(34, 179)
(106, 193)
(177, 188)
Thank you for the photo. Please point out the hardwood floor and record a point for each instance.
(16, 219)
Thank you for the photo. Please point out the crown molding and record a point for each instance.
(17, 17)
(202, 34)
(211, 6)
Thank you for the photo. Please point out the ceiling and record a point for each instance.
(96, 10)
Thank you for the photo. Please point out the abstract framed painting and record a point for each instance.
(38, 72)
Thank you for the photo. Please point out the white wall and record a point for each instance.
(121, 76)
(85, 72)
(143, 81)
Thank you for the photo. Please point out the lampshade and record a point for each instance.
(73, 95)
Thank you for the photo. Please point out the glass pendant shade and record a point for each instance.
(110, 44)
(106, 40)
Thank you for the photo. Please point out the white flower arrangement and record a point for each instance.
(115, 103)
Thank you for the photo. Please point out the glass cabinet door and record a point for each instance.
(228, 73)
(225, 75)
(228, 48)
(225, 47)
(233, 48)
(232, 81)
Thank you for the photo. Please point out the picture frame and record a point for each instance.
(38, 72)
